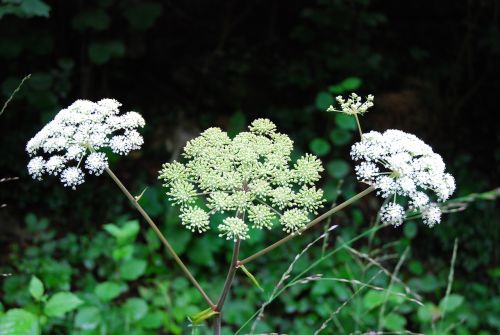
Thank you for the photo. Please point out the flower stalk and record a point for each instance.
(162, 238)
(309, 225)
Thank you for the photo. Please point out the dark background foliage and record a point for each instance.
(433, 66)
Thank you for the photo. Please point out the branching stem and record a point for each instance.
(163, 239)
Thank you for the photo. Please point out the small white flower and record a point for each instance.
(80, 130)
(431, 214)
(233, 229)
(353, 104)
(393, 214)
(96, 163)
(195, 219)
(293, 220)
(72, 177)
(36, 167)
(261, 216)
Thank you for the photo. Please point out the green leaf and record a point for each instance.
(36, 288)
(340, 136)
(125, 234)
(319, 146)
(428, 312)
(152, 320)
(19, 322)
(351, 83)
(61, 303)
(451, 303)
(323, 100)
(410, 229)
(135, 308)
(251, 277)
(102, 52)
(108, 290)
(142, 15)
(394, 322)
(132, 269)
(32, 8)
(88, 318)
(123, 252)
(373, 299)
(338, 168)
(345, 121)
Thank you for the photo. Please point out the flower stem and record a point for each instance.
(227, 287)
(165, 242)
(309, 225)
(359, 126)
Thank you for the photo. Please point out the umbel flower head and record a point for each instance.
(249, 177)
(402, 167)
(70, 143)
(353, 104)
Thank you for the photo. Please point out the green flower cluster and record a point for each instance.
(251, 177)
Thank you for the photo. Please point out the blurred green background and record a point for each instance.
(434, 68)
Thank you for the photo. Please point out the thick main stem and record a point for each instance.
(227, 287)
(163, 239)
(309, 225)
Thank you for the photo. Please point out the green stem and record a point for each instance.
(227, 287)
(309, 225)
(359, 126)
(155, 228)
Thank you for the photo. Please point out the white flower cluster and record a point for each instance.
(250, 176)
(79, 131)
(399, 164)
(352, 105)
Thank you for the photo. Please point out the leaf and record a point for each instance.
(124, 234)
(428, 312)
(251, 277)
(340, 136)
(103, 52)
(351, 83)
(410, 229)
(36, 288)
(323, 100)
(132, 269)
(19, 322)
(34, 8)
(108, 290)
(338, 168)
(61, 303)
(394, 322)
(153, 320)
(319, 146)
(373, 299)
(142, 15)
(135, 308)
(88, 318)
(345, 121)
(451, 303)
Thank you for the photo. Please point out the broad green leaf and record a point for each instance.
(394, 322)
(345, 121)
(338, 168)
(135, 308)
(323, 100)
(340, 136)
(61, 303)
(102, 52)
(415, 267)
(319, 146)
(88, 318)
(410, 229)
(428, 312)
(153, 320)
(124, 234)
(36, 288)
(108, 290)
(373, 299)
(450, 303)
(19, 322)
(123, 252)
(132, 269)
(351, 83)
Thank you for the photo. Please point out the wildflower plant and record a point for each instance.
(250, 178)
